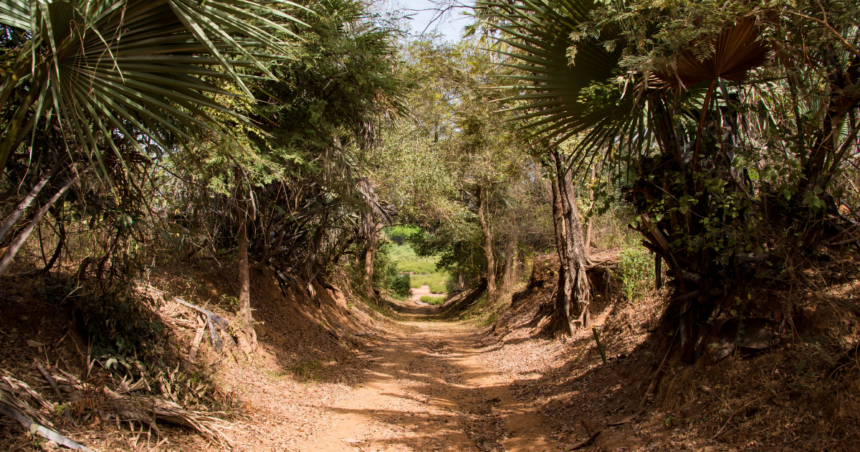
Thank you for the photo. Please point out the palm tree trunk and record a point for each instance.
(562, 322)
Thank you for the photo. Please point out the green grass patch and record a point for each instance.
(436, 281)
(308, 369)
(636, 269)
(423, 269)
(429, 299)
(408, 261)
(491, 319)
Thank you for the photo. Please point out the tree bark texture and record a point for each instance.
(246, 336)
(488, 243)
(510, 265)
(574, 291)
(369, 258)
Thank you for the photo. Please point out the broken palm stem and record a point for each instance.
(211, 318)
(600, 348)
(12, 405)
(40, 429)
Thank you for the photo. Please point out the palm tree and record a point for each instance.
(153, 73)
(653, 126)
(687, 108)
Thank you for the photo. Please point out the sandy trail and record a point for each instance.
(427, 391)
(416, 294)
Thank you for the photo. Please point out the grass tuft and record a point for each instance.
(429, 299)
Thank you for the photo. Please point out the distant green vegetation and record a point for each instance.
(435, 280)
(408, 261)
(429, 299)
(423, 269)
(400, 234)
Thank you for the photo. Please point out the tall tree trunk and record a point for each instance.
(246, 335)
(488, 244)
(562, 322)
(15, 246)
(574, 292)
(587, 241)
(369, 258)
(510, 264)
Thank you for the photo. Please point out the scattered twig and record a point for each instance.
(738, 411)
(50, 379)
(158, 445)
(584, 442)
(198, 337)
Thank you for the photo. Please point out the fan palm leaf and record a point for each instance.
(736, 51)
(143, 70)
(549, 83)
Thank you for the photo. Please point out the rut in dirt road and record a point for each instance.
(427, 391)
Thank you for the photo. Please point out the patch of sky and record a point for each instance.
(444, 19)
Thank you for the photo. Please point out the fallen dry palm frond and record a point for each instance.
(17, 400)
(149, 409)
(172, 309)
(14, 396)
(124, 406)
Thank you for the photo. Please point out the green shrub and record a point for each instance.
(400, 234)
(432, 300)
(399, 285)
(636, 270)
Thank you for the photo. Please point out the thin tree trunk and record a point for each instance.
(22, 206)
(60, 244)
(588, 228)
(510, 264)
(488, 244)
(369, 258)
(15, 246)
(246, 336)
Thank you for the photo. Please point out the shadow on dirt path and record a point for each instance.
(427, 391)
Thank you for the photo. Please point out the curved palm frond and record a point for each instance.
(736, 50)
(134, 69)
(550, 79)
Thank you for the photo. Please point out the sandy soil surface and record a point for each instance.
(428, 390)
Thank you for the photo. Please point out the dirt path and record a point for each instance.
(416, 294)
(427, 391)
